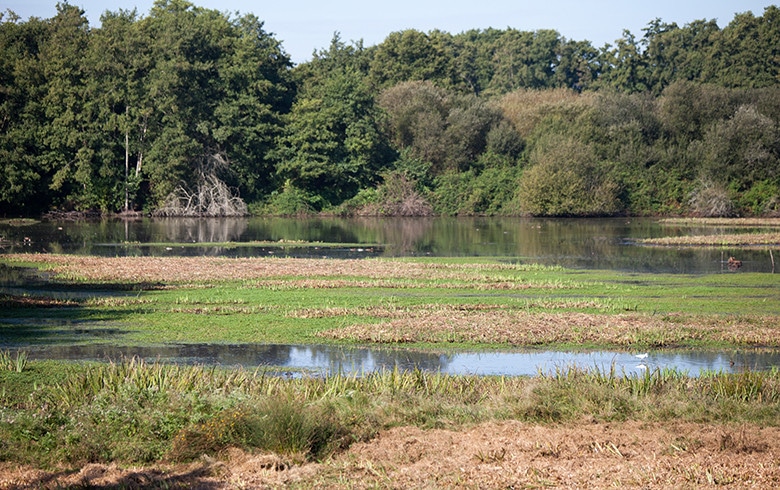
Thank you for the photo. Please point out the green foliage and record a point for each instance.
(122, 116)
(762, 198)
(412, 55)
(332, 144)
(291, 201)
(565, 179)
(468, 193)
(438, 126)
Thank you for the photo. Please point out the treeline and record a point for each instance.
(189, 111)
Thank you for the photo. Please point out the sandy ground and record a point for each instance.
(492, 455)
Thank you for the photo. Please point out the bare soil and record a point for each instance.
(505, 454)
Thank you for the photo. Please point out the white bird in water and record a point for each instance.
(641, 356)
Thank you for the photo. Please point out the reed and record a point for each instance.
(133, 411)
(10, 362)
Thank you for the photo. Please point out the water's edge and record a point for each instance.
(334, 359)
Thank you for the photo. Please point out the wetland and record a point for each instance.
(273, 361)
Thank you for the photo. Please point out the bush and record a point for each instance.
(399, 196)
(760, 199)
(564, 179)
(468, 193)
(292, 201)
(712, 200)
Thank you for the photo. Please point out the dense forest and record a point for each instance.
(191, 111)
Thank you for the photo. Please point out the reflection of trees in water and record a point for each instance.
(358, 360)
(405, 236)
(333, 230)
(590, 243)
(319, 357)
(378, 359)
(192, 230)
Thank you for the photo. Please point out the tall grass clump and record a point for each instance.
(745, 386)
(570, 392)
(16, 363)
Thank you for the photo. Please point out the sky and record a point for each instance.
(306, 26)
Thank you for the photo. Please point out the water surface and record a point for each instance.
(580, 243)
(332, 359)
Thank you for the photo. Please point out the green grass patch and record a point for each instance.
(133, 412)
(302, 301)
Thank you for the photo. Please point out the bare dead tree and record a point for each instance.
(211, 197)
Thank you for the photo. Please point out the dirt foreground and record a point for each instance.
(492, 455)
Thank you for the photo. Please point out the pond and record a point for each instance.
(577, 243)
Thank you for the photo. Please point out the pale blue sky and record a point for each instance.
(304, 26)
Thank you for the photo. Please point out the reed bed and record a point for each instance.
(724, 222)
(13, 362)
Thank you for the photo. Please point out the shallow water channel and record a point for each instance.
(331, 359)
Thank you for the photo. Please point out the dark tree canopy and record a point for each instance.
(147, 112)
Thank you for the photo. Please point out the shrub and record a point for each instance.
(399, 196)
(292, 201)
(564, 179)
(711, 200)
(761, 198)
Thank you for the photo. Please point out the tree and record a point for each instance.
(65, 133)
(623, 66)
(417, 113)
(577, 66)
(742, 150)
(746, 53)
(524, 59)
(332, 145)
(412, 55)
(473, 66)
(564, 178)
(116, 62)
(24, 180)
(673, 53)
(216, 91)
(438, 126)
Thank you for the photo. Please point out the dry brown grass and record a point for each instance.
(395, 312)
(730, 240)
(7, 301)
(498, 326)
(727, 222)
(505, 454)
(267, 272)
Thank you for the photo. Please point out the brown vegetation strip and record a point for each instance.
(727, 222)
(505, 454)
(524, 328)
(402, 311)
(736, 240)
(13, 301)
(194, 269)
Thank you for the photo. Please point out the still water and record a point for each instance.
(331, 359)
(578, 243)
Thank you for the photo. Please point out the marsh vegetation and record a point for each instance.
(89, 424)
